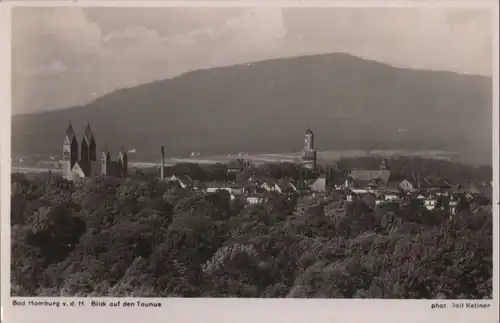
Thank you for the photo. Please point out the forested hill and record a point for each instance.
(351, 103)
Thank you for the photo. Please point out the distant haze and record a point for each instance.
(64, 57)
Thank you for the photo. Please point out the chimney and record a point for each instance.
(162, 166)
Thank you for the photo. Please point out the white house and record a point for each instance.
(255, 199)
(212, 189)
(319, 185)
(390, 197)
(406, 186)
(430, 203)
(267, 186)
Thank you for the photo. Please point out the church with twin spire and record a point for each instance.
(80, 161)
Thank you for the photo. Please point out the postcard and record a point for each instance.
(242, 161)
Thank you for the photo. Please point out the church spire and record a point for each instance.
(70, 132)
(88, 132)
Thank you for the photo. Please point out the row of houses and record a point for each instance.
(255, 190)
(378, 185)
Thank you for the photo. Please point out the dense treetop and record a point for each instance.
(141, 237)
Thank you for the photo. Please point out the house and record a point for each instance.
(357, 193)
(351, 196)
(252, 188)
(386, 197)
(268, 186)
(284, 187)
(184, 181)
(212, 188)
(255, 199)
(391, 196)
(230, 188)
(319, 185)
(406, 186)
(430, 203)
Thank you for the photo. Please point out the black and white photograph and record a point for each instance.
(252, 152)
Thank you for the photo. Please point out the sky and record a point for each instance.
(68, 56)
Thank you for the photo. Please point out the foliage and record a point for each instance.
(142, 237)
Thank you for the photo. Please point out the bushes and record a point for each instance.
(139, 237)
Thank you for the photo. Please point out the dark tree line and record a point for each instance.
(142, 237)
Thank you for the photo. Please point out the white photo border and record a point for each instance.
(233, 310)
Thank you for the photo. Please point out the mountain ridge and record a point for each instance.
(351, 103)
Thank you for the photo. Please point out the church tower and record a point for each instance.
(309, 154)
(123, 162)
(70, 152)
(384, 165)
(88, 150)
(105, 161)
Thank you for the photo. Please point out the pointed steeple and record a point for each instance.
(70, 132)
(88, 133)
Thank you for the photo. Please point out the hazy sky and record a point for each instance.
(69, 56)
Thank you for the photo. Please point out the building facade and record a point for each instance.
(118, 168)
(81, 164)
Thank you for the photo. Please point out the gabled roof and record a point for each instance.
(285, 185)
(184, 179)
(77, 169)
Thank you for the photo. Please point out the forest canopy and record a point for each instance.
(140, 237)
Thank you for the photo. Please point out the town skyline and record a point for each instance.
(76, 48)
